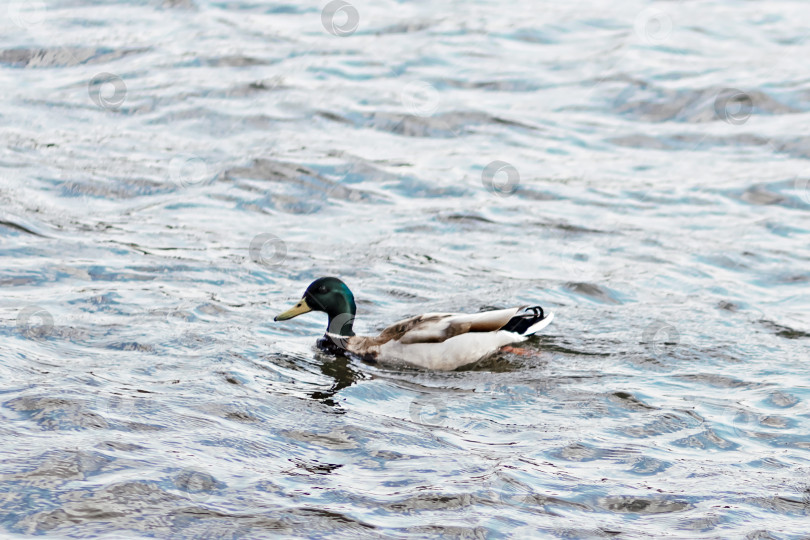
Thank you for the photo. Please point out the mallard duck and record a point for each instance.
(433, 341)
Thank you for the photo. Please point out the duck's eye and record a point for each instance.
(322, 289)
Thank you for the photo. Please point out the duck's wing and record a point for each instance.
(439, 327)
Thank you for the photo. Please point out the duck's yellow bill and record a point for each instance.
(295, 311)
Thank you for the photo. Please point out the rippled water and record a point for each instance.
(175, 173)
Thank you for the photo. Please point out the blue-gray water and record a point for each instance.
(174, 173)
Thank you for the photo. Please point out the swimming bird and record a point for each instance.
(441, 341)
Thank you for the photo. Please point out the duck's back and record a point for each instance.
(450, 340)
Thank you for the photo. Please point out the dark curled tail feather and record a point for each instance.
(524, 320)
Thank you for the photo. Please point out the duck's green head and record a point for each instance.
(333, 297)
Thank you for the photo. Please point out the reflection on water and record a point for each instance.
(176, 172)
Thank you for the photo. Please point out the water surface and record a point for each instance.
(175, 173)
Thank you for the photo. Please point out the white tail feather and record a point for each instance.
(533, 329)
